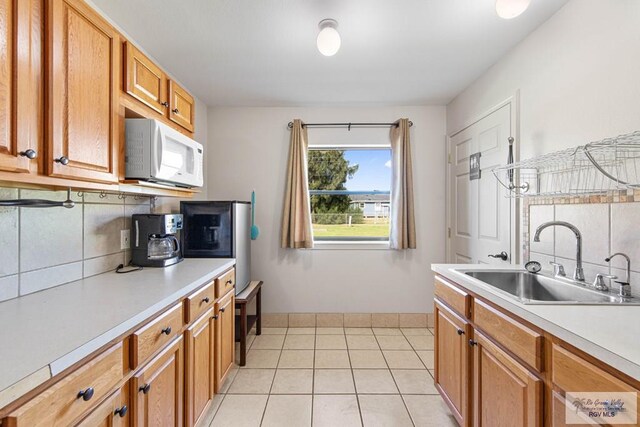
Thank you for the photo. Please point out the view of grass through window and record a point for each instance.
(350, 193)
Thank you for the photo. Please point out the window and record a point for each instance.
(350, 193)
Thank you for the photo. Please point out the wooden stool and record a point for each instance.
(245, 322)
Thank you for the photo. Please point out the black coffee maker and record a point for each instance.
(154, 241)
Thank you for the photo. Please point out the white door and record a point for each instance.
(481, 214)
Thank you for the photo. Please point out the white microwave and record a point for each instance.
(157, 153)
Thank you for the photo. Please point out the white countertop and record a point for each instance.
(46, 332)
(610, 333)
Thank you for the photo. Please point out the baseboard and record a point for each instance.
(347, 320)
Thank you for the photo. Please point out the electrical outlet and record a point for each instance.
(124, 239)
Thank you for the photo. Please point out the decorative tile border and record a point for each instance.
(347, 320)
(617, 196)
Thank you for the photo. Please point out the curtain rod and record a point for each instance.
(347, 125)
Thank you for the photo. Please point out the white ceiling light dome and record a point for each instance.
(328, 40)
(508, 9)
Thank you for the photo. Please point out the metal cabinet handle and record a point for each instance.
(145, 388)
(229, 282)
(30, 154)
(62, 160)
(472, 343)
(165, 104)
(206, 300)
(166, 330)
(215, 317)
(222, 309)
(122, 411)
(175, 111)
(86, 395)
(460, 332)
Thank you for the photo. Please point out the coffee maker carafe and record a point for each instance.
(154, 243)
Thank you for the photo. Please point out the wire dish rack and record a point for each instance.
(595, 168)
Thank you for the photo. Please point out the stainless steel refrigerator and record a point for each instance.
(219, 229)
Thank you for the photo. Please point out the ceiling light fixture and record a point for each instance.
(508, 9)
(328, 40)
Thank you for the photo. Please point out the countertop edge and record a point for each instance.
(36, 378)
(616, 361)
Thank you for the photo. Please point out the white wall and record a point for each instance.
(248, 150)
(578, 76)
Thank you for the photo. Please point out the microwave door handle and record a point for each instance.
(160, 146)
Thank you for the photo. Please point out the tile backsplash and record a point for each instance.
(45, 247)
(605, 227)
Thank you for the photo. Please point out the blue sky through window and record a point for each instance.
(374, 172)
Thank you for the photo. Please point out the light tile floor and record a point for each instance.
(333, 377)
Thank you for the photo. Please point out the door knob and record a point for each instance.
(122, 411)
(86, 395)
(460, 332)
(502, 255)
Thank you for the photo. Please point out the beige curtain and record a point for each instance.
(403, 228)
(296, 214)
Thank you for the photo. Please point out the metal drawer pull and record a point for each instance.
(145, 388)
(460, 332)
(86, 395)
(121, 411)
(472, 343)
(166, 330)
(206, 300)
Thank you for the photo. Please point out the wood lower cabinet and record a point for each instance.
(157, 389)
(200, 367)
(21, 78)
(505, 392)
(113, 412)
(82, 91)
(225, 337)
(451, 361)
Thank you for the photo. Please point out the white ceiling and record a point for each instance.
(263, 53)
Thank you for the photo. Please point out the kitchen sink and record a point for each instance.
(531, 288)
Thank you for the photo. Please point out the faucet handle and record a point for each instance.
(558, 269)
(625, 289)
(599, 284)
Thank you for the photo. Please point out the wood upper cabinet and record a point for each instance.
(157, 389)
(452, 361)
(200, 367)
(21, 79)
(505, 392)
(144, 80)
(225, 337)
(113, 412)
(83, 63)
(181, 106)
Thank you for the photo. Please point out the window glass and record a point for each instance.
(350, 194)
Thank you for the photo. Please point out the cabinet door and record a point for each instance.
(158, 389)
(505, 392)
(144, 80)
(21, 78)
(181, 106)
(113, 412)
(83, 56)
(200, 368)
(225, 338)
(452, 361)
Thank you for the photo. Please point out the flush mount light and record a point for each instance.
(328, 40)
(508, 9)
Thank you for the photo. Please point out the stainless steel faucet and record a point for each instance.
(625, 287)
(578, 274)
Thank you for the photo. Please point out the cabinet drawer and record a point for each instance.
(574, 374)
(453, 296)
(225, 283)
(156, 334)
(62, 403)
(199, 302)
(519, 339)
